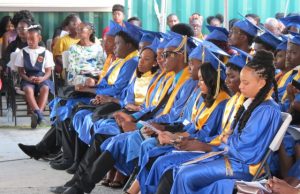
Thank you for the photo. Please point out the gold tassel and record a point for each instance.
(183, 45)
(229, 171)
(218, 80)
(203, 54)
(247, 59)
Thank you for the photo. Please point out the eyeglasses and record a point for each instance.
(167, 54)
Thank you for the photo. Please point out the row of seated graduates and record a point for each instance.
(122, 151)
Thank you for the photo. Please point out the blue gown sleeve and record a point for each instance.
(129, 95)
(251, 144)
(181, 98)
(122, 81)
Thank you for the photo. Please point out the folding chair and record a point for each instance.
(65, 62)
(48, 45)
(275, 144)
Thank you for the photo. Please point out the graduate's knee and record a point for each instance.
(44, 90)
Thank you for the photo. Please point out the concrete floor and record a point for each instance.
(21, 175)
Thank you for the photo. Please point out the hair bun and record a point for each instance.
(263, 57)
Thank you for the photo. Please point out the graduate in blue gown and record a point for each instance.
(206, 125)
(112, 85)
(131, 141)
(292, 59)
(250, 138)
(179, 90)
(133, 101)
(136, 93)
(187, 119)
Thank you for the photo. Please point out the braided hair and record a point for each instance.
(262, 64)
(209, 75)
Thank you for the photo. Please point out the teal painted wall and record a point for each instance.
(144, 9)
(50, 20)
(184, 8)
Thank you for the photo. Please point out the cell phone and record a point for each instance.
(296, 84)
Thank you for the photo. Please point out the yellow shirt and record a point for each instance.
(63, 44)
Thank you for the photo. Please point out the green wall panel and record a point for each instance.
(184, 8)
(50, 20)
(144, 9)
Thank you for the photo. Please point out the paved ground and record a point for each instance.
(21, 175)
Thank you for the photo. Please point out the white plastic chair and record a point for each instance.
(48, 44)
(65, 59)
(275, 144)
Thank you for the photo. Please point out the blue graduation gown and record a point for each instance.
(102, 88)
(295, 170)
(210, 128)
(244, 149)
(102, 126)
(130, 142)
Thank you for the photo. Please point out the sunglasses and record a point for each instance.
(167, 54)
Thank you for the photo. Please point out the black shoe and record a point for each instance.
(65, 164)
(34, 120)
(58, 190)
(71, 182)
(31, 151)
(51, 157)
(73, 168)
(73, 190)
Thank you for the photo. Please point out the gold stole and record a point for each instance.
(163, 88)
(106, 66)
(151, 88)
(183, 78)
(231, 108)
(297, 77)
(195, 110)
(204, 115)
(115, 72)
(140, 87)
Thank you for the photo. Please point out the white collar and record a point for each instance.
(247, 103)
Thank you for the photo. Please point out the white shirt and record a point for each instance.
(33, 54)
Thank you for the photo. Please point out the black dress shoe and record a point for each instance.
(58, 190)
(73, 190)
(73, 168)
(31, 151)
(65, 164)
(71, 182)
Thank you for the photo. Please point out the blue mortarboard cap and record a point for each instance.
(149, 36)
(247, 26)
(291, 21)
(270, 39)
(114, 28)
(153, 46)
(179, 43)
(211, 46)
(240, 59)
(203, 54)
(282, 46)
(163, 43)
(133, 31)
(295, 40)
(217, 33)
(215, 62)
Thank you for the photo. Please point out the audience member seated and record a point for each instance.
(34, 65)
